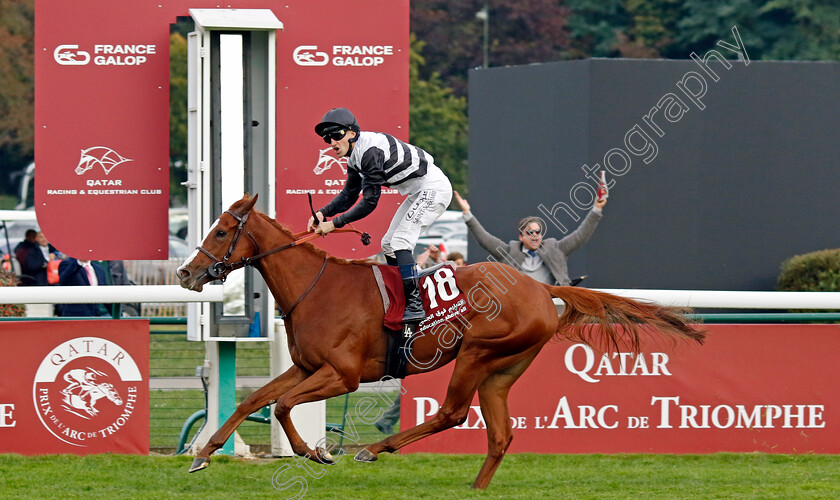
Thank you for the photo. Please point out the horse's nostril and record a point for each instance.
(182, 273)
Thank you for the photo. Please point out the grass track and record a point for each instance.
(428, 476)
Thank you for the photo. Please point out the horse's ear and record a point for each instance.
(249, 204)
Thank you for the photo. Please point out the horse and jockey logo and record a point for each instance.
(106, 158)
(86, 389)
(326, 161)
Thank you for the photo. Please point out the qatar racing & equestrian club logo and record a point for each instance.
(106, 158)
(85, 390)
(327, 161)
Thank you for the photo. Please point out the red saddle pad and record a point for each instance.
(442, 299)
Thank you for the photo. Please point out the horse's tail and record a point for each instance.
(619, 319)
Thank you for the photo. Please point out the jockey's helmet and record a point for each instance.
(337, 118)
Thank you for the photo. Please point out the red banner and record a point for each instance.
(102, 114)
(359, 63)
(77, 387)
(766, 388)
(102, 128)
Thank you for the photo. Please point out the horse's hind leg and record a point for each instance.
(462, 386)
(493, 395)
(259, 398)
(493, 398)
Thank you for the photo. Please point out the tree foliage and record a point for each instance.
(6, 310)
(770, 29)
(811, 272)
(177, 98)
(177, 118)
(594, 26)
(17, 87)
(519, 33)
(812, 33)
(437, 120)
(704, 22)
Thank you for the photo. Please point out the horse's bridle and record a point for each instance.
(221, 268)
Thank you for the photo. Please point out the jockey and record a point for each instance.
(376, 159)
(79, 378)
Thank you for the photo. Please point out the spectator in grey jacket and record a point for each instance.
(544, 259)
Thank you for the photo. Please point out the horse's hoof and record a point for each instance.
(199, 463)
(324, 456)
(365, 456)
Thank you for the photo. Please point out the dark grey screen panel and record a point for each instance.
(734, 188)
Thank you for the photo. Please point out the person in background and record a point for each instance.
(77, 272)
(432, 256)
(25, 253)
(386, 423)
(457, 258)
(117, 275)
(40, 261)
(544, 259)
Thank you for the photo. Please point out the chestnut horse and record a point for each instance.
(334, 323)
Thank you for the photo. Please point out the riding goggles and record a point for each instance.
(334, 134)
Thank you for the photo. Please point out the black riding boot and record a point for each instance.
(414, 312)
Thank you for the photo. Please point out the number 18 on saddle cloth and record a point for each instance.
(442, 299)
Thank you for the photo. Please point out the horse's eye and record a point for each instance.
(221, 234)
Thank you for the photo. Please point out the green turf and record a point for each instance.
(8, 202)
(427, 476)
(172, 355)
(394, 476)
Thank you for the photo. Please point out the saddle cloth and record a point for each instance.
(443, 301)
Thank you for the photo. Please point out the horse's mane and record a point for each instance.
(313, 248)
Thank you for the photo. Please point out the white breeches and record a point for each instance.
(421, 208)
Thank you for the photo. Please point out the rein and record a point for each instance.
(311, 286)
(221, 268)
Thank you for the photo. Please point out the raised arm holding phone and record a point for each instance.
(544, 259)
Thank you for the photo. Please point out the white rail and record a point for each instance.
(13, 215)
(724, 299)
(716, 299)
(107, 294)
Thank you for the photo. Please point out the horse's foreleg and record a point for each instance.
(324, 383)
(259, 398)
